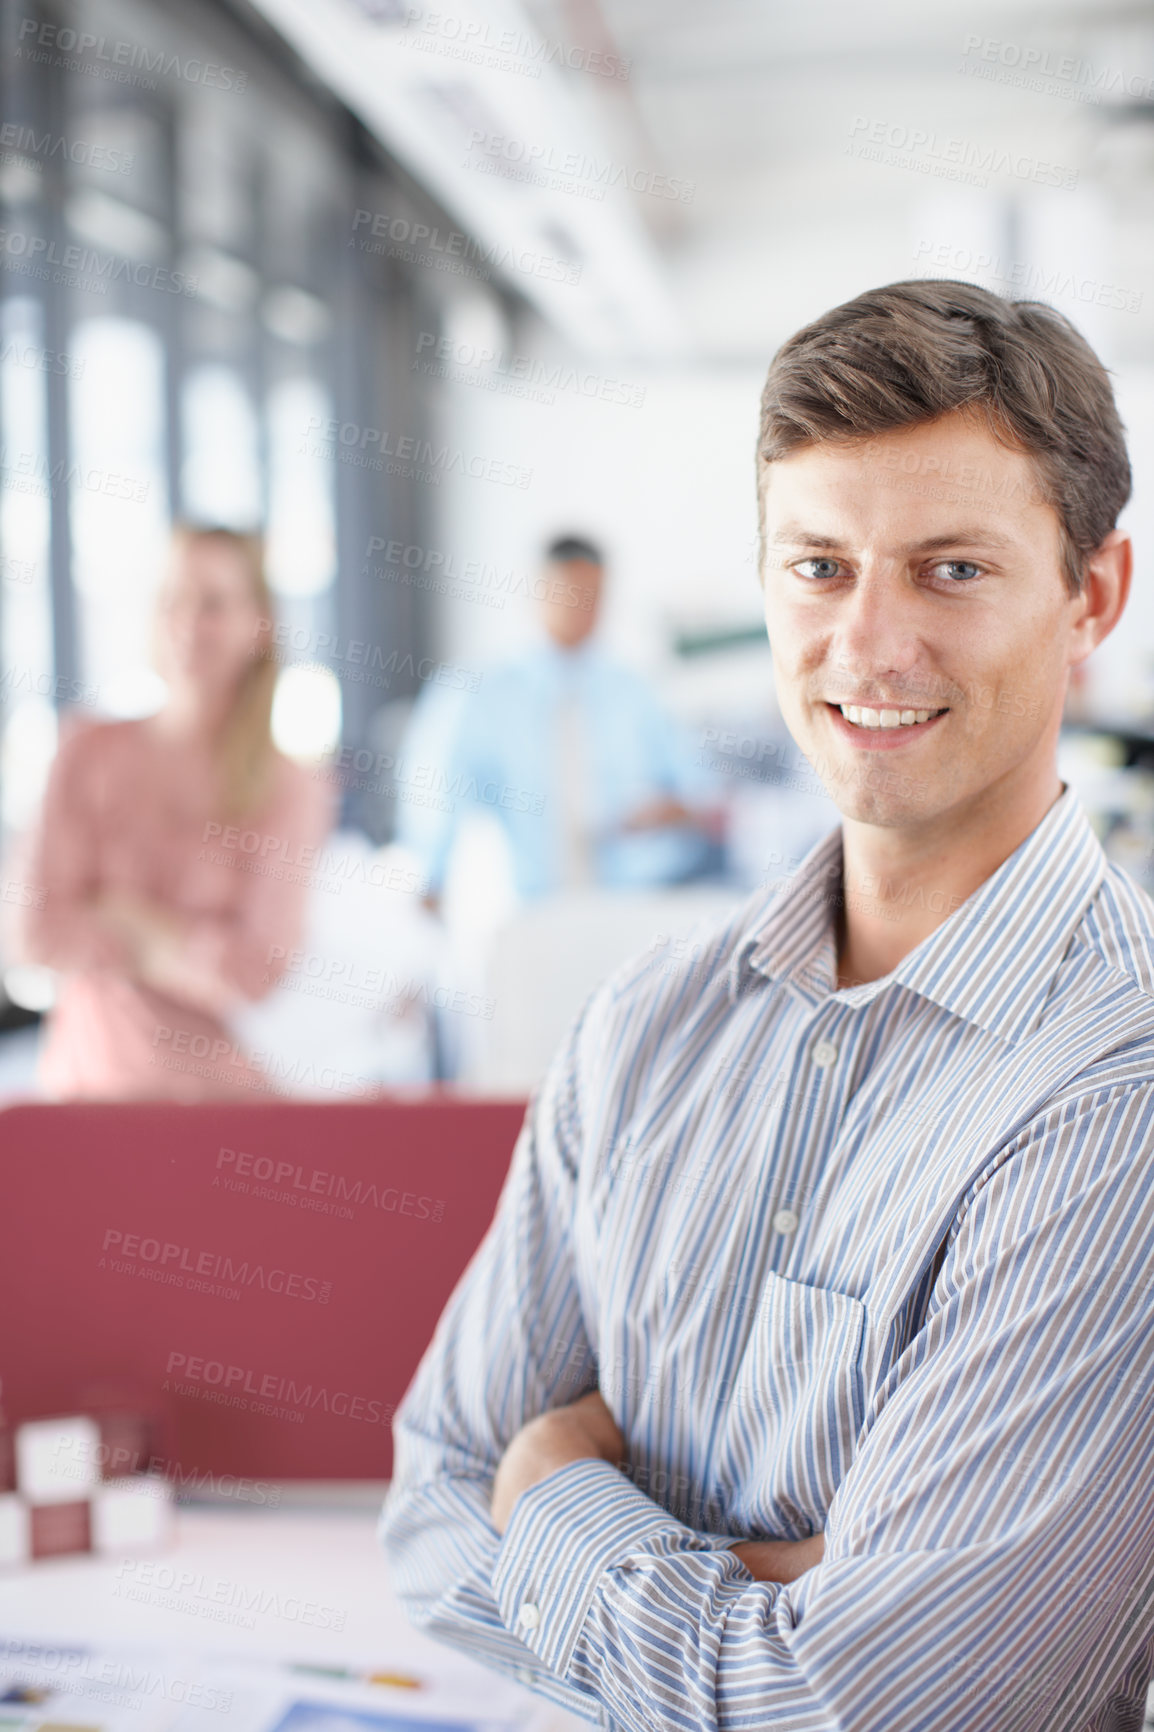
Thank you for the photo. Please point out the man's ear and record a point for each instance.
(1105, 589)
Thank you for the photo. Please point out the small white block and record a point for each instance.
(132, 1514)
(15, 1539)
(58, 1460)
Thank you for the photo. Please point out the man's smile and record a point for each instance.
(882, 729)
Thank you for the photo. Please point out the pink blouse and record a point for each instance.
(128, 809)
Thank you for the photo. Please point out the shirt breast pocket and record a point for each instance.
(795, 1409)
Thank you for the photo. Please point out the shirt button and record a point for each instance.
(524, 1675)
(824, 1053)
(785, 1221)
(529, 1616)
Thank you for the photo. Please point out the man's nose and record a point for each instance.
(876, 631)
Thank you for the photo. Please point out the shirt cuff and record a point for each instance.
(563, 1534)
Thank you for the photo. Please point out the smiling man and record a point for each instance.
(805, 1375)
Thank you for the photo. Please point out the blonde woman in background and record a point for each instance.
(157, 929)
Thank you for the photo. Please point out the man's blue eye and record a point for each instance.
(958, 570)
(830, 567)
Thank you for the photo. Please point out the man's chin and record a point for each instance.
(879, 787)
(875, 791)
(882, 811)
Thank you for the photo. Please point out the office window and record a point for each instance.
(118, 507)
(26, 668)
(220, 479)
(216, 320)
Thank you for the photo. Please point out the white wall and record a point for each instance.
(667, 485)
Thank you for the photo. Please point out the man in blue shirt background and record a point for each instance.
(593, 783)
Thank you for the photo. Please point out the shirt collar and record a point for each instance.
(554, 662)
(991, 961)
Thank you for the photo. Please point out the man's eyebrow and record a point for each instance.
(967, 536)
(795, 535)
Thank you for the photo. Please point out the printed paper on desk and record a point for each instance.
(322, 1717)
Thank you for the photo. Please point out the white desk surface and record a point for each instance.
(326, 1559)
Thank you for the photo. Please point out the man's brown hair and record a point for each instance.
(912, 351)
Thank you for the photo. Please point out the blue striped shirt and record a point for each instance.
(877, 1262)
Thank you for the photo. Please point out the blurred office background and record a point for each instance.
(415, 290)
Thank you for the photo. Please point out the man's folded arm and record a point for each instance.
(989, 1562)
(510, 1345)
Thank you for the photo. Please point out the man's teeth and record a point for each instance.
(863, 718)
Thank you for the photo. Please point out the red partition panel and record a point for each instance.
(264, 1278)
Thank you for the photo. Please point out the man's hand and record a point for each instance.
(587, 1430)
(658, 814)
(780, 1560)
(583, 1430)
(666, 811)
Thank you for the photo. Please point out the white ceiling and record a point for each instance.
(755, 100)
(762, 105)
